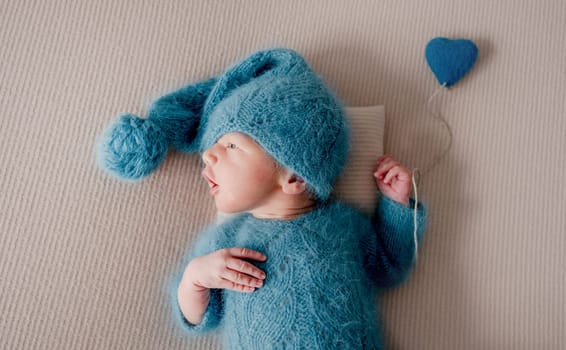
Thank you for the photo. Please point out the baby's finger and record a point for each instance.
(245, 267)
(385, 167)
(392, 173)
(398, 173)
(247, 254)
(382, 158)
(236, 287)
(241, 278)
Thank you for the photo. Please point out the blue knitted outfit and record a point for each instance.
(323, 269)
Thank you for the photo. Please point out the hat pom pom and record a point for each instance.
(131, 148)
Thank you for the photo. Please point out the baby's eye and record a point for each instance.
(231, 145)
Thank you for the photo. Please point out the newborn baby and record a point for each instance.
(294, 268)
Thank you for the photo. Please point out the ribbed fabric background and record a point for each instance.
(85, 259)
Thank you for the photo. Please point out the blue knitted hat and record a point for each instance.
(273, 96)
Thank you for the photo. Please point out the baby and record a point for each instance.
(294, 269)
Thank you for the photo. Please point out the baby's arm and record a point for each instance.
(389, 248)
(222, 269)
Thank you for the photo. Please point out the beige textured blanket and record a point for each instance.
(85, 260)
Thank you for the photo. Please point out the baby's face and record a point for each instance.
(241, 175)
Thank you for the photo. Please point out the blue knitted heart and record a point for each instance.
(449, 59)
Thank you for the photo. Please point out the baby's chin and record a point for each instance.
(227, 208)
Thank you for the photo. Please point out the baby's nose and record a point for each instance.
(208, 157)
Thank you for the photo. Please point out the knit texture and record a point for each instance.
(131, 147)
(324, 270)
(272, 96)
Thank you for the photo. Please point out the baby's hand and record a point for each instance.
(393, 180)
(226, 269)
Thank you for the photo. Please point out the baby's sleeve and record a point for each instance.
(207, 242)
(211, 318)
(389, 248)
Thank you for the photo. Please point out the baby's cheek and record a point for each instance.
(259, 177)
(263, 178)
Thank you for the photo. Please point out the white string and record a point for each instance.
(415, 224)
(416, 171)
(439, 117)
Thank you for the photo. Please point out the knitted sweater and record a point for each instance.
(323, 269)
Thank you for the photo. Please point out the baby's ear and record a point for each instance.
(293, 183)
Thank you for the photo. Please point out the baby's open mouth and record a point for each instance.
(211, 183)
(208, 179)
